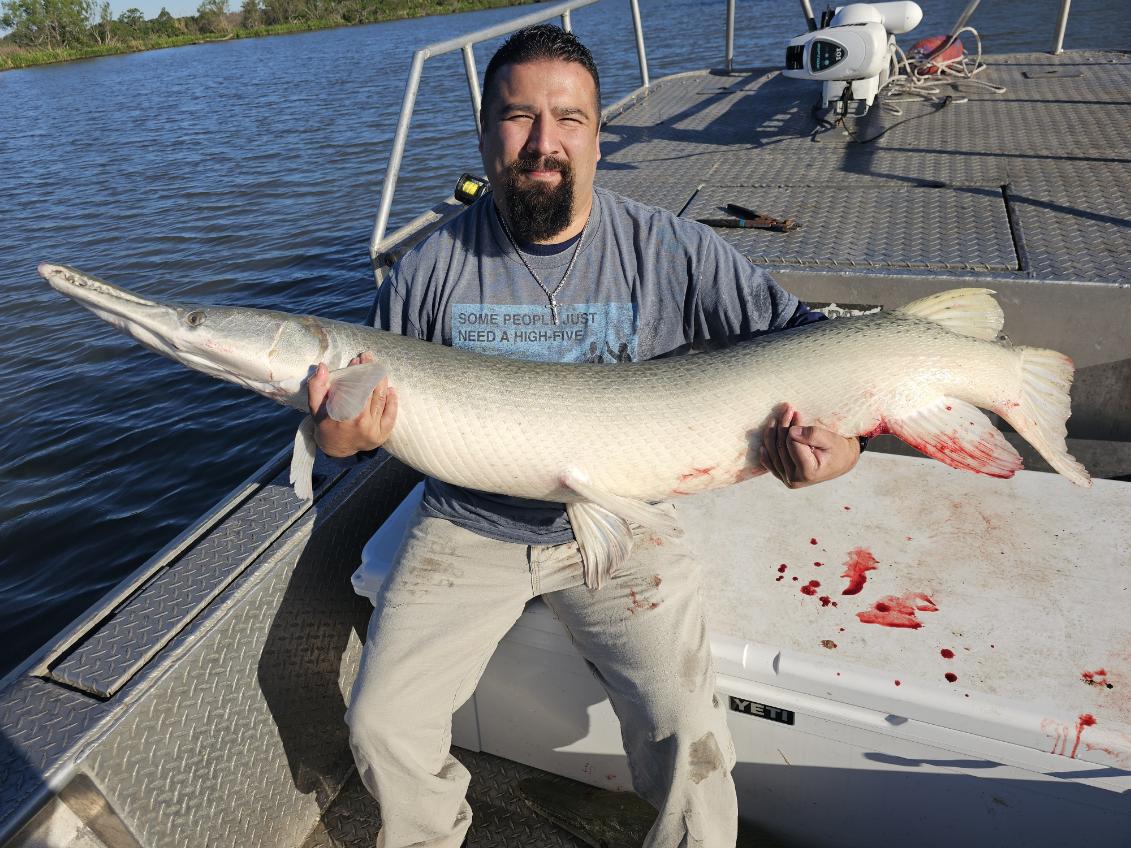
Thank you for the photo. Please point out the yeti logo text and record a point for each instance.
(761, 710)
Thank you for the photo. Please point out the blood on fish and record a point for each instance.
(810, 588)
(694, 474)
(748, 471)
(892, 611)
(881, 429)
(782, 568)
(860, 562)
(947, 654)
(826, 601)
(818, 564)
(951, 677)
(898, 683)
(812, 541)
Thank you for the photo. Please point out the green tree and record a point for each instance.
(46, 23)
(101, 26)
(210, 16)
(282, 11)
(132, 19)
(164, 24)
(251, 15)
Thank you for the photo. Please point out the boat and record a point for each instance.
(201, 702)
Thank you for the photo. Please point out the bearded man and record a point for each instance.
(547, 267)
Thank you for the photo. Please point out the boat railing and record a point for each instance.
(466, 43)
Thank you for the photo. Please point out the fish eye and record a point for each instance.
(195, 319)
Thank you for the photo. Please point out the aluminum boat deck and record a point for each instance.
(1029, 184)
(223, 661)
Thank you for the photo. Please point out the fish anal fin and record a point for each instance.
(350, 389)
(959, 434)
(302, 459)
(970, 312)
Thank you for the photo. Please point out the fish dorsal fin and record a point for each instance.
(350, 389)
(970, 312)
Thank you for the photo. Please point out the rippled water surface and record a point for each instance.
(248, 172)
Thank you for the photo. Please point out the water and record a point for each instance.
(248, 172)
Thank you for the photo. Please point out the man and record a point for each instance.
(547, 267)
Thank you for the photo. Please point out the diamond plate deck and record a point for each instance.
(1058, 141)
(866, 227)
(499, 816)
(106, 658)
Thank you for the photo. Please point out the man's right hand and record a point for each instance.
(367, 431)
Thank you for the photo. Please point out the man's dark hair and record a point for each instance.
(535, 44)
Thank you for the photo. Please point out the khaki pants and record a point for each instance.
(452, 595)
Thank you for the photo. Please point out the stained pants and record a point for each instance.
(451, 597)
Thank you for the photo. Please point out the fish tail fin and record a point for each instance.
(1042, 411)
(970, 312)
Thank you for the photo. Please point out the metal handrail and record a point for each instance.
(1061, 25)
(466, 43)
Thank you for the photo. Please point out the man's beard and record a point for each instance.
(538, 212)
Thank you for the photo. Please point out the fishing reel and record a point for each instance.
(852, 53)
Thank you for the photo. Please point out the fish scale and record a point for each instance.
(612, 440)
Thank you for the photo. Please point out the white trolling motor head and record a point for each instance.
(853, 55)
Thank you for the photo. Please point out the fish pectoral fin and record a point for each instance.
(959, 434)
(602, 525)
(302, 459)
(970, 312)
(350, 389)
(605, 541)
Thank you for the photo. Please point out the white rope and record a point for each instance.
(916, 83)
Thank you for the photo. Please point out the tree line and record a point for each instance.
(60, 24)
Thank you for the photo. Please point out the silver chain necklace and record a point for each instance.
(551, 296)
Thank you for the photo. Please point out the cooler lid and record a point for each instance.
(994, 607)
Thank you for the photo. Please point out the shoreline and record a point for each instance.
(15, 58)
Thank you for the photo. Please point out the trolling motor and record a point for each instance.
(852, 52)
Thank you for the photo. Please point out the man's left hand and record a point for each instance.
(801, 455)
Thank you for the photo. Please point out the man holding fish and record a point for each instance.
(548, 268)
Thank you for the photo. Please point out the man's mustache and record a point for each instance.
(542, 163)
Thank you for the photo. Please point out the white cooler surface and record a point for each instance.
(849, 732)
(1030, 578)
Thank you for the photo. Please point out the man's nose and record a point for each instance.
(543, 137)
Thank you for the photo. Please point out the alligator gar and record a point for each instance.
(611, 440)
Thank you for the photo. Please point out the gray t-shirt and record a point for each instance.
(645, 284)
